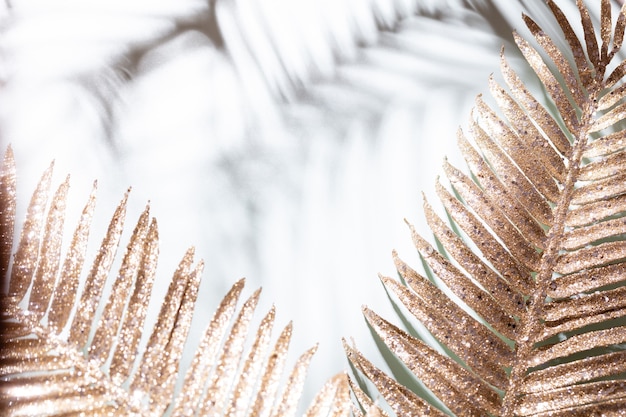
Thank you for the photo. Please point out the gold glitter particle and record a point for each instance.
(252, 368)
(273, 370)
(365, 402)
(204, 358)
(295, 384)
(516, 150)
(465, 289)
(583, 236)
(110, 320)
(564, 68)
(551, 84)
(535, 110)
(215, 396)
(458, 388)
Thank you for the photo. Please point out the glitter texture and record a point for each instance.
(252, 367)
(499, 195)
(474, 198)
(7, 209)
(110, 320)
(499, 290)
(365, 402)
(563, 66)
(520, 152)
(552, 85)
(26, 257)
(600, 190)
(511, 176)
(216, 394)
(131, 331)
(101, 367)
(402, 400)
(606, 145)
(606, 167)
(543, 206)
(583, 236)
(452, 383)
(48, 267)
(273, 371)
(445, 327)
(295, 383)
(464, 288)
(204, 358)
(535, 110)
(538, 329)
(530, 136)
(591, 213)
(333, 398)
(65, 290)
(510, 269)
(584, 281)
(81, 326)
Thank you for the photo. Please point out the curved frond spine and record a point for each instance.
(543, 209)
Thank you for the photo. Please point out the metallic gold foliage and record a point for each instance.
(529, 302)
(69, 352)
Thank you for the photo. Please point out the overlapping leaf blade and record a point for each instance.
(532, 310)
(65, 353)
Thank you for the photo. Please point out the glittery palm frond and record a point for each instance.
(526, 299)
(70, 352)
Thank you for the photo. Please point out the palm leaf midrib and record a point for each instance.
(530, 326)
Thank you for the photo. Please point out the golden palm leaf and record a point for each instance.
(527, 292)
(70, 352)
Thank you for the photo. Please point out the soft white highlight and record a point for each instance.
(288, 149)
